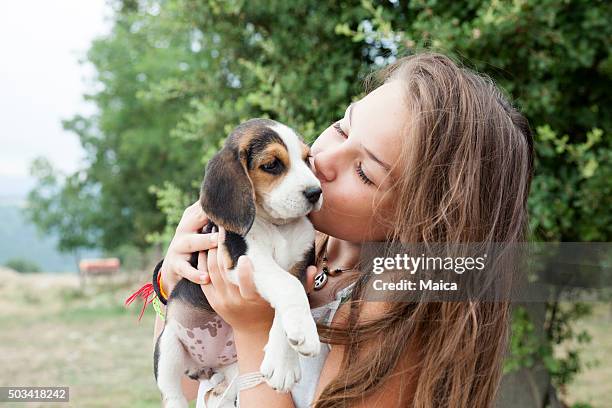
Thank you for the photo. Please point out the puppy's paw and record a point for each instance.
(301, 331)
(281, 368)
(198, 373)
(176, 401)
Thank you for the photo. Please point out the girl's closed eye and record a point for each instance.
(365, 179)
(362, 175)
(339, 129)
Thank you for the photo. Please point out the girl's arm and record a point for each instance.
(190, 387)
(249, 348)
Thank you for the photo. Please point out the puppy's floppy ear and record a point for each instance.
(227, 194)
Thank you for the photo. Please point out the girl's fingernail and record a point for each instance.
(203, 278)
(214, 237)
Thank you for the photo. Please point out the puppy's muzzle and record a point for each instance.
(312, 194)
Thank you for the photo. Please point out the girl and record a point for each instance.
(434, 153)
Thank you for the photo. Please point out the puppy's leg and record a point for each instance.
(288, 297)
(280, 365)
(170, 368)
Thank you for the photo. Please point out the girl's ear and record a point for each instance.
(227, 194)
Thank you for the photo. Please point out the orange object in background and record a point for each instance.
(99, 266)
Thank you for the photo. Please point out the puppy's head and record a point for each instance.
(263, 166)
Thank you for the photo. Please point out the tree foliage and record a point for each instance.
(22, 265)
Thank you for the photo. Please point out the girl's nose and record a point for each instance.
(321, 167)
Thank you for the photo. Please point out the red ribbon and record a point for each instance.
(144, 292)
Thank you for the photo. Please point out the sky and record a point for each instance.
(42, 82)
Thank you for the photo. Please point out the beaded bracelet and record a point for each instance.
(161, 288)
(158, 308)
(239, 383)
(249, 380)
(157, 283)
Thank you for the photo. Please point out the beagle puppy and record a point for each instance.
(260, 188)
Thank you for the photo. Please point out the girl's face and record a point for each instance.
(352, 158)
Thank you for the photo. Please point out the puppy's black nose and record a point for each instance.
(312, 194)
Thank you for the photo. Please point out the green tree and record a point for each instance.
(62, 206)
(22, 265)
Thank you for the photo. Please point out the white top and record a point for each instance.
(303, 391)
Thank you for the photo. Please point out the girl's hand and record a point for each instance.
(240, 305)
(186, 240)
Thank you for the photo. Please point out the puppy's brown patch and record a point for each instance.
(264, 181)
(260, 146)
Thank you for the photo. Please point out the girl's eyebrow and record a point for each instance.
(376, 159)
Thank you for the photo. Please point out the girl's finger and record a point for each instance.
(222, 255)
(188, 243)
(223, 260)
(187, 271)
(246, 284)
(210, 293)
(203, 268)
(193, 218)
(311, 272)
(213, 271)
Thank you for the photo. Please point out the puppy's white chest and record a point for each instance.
(286, 244)
(281, 252)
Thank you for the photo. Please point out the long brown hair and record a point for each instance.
(466, 166)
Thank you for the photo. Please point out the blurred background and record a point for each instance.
(109, 111)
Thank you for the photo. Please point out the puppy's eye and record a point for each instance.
(273, 165)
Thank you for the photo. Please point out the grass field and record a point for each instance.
(54, 334)
(594, 385)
